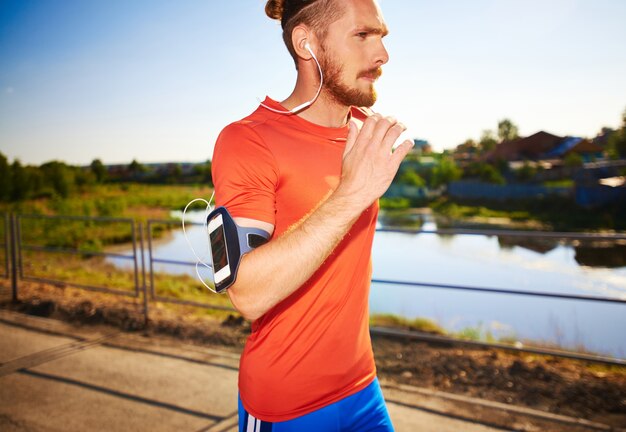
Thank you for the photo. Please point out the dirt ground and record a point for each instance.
(574, 388)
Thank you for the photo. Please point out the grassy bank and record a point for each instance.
(134, 201)
(557, 214)
(129, 200)
(95, 271)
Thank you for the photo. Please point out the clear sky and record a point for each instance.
(156, 80)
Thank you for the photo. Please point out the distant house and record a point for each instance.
(564, 147)
(533, 147)
(421, 147)
(465, 153)
(589, 150)
(545, 146)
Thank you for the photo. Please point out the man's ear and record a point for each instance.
(300, 36)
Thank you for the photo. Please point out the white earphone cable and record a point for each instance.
(200, 260)
(306, 104)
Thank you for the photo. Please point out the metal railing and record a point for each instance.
(145, 286)
(540, 294)
(536, 234)
(21, 247)
(154, 260)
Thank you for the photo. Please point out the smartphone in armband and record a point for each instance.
(219, 250)
(228, 243)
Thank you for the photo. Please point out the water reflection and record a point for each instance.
(590, 253)
(536, 244)
(607, 256)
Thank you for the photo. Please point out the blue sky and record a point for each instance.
(156, 80)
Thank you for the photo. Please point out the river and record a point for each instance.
(522, 264)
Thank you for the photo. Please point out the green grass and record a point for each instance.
(73, 269)
(554, 213)
(458, 211)
(397, 203)
(138, 201)
(95, 271)
(564, 183)
(472, 333)
(134, 201)
(417, 324)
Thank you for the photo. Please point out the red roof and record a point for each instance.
(531, 147)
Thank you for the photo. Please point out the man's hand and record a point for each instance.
(369, 164)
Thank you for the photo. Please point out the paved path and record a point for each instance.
(56, 377)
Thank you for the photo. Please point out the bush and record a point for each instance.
(411, 178)
(397, 203)
(444, 173)
(526, 172)
(573, 160)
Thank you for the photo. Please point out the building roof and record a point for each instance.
(587, 146)
(564, 147)
(531, 147)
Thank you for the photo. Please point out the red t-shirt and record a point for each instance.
(314, 347)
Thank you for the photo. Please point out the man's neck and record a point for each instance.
(324, 111)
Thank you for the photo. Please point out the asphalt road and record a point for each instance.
(57, 377)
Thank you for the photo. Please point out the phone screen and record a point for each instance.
(218, 249)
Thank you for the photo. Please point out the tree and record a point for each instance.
(5, 179)
(526, 172)
(135, 169)
(507, 130)
(445, 172)
(99, 170)
(617, 141)
(83, 178)
(490, 174)
(208, 172)
(19, 178)
(573, 159)
(174, 173)
(487, 141)
(37, 182)
(60, 177)
(485, 172)
(469, 146)
(411, 178)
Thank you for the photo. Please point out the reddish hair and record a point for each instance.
(316, 14)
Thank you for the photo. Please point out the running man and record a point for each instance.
(310, 170)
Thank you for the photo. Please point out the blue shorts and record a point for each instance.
(362, 411)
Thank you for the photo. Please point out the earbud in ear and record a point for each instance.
(308, 48)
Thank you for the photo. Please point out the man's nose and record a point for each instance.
(382, 56)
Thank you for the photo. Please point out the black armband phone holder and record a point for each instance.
(229, 242)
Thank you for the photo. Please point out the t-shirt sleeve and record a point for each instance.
(245, 174)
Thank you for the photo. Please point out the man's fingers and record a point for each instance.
(368, 128)
(401, 151)
(353, 133)
(387, 132)
(392, 136)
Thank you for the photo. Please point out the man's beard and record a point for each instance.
(340, 92)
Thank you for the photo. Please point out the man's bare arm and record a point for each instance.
(264, 279)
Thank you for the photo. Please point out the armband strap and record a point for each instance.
(229, 242)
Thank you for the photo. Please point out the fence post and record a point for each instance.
(150, 261)
(7, 245)
(14, 240)
(143, 275)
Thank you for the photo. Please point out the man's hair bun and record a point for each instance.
(275, 8)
